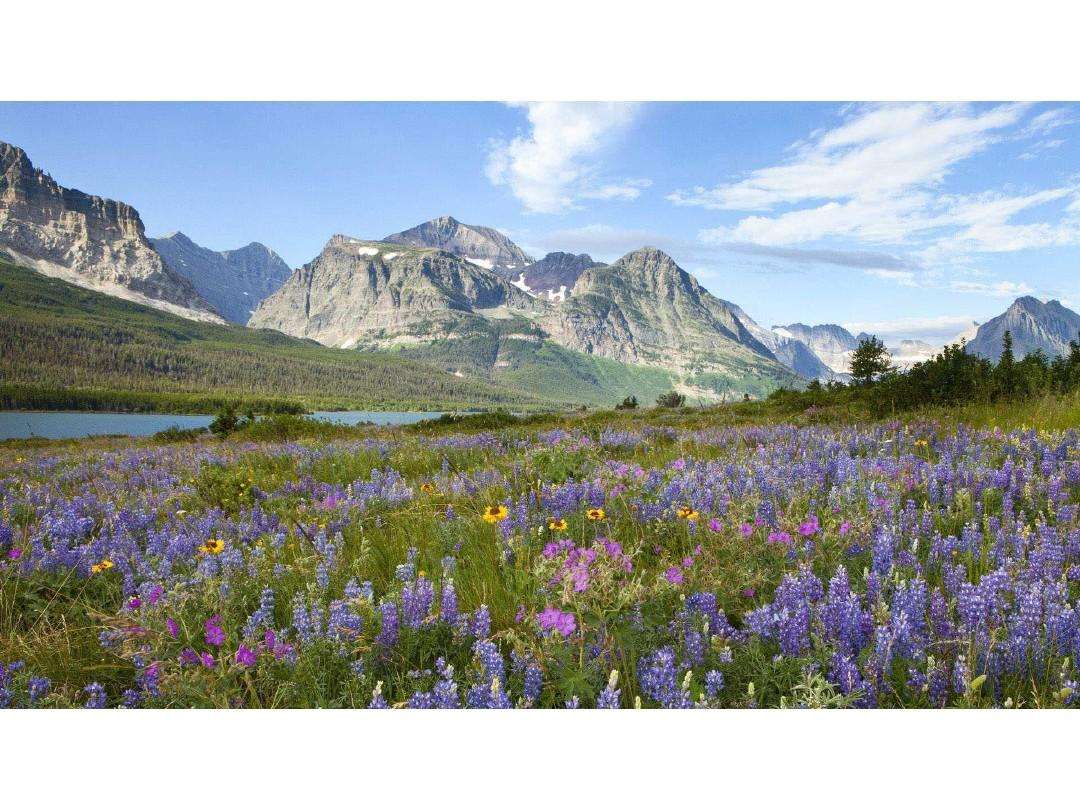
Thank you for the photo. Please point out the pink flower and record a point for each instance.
(554, 619)
(14, 554)
(674, 575)
(134, 603)
(687, 562)
(174, 629)
(780, 537)
(845, 527)
(748, 593)
(679, 464)
(207, 660)
(746, 530)
(809, 527)
(715, 524)
(245, 657)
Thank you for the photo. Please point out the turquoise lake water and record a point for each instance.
(76, 424)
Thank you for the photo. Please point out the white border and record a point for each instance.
(555, 49)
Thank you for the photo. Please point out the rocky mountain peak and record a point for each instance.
(483, 246)
(86, 240)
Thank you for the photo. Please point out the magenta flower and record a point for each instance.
(207, 660)
(780, 537)
(155, 594)
(215, 636)
(809, 527)
(845, 527)
(245, 657)
(715, 524)
(687, 562)
(746, 530)
(134, 603)
(748, 593)
(554, 619)
(14, 554)
(674, 575)
(174, 628)
(189, 656)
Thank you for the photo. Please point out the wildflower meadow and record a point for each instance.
(922, 564)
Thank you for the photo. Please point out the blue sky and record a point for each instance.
(906, 219)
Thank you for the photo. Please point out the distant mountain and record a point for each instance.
(90, 241)
(233, 281)
(482, 246)
(381, 295)
(793, 353)
(907, 353)
(1033, 325)
(645, 309)
(554, 276)
(831, 343)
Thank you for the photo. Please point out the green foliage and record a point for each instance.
(869, 361)
(670, 400)
(628, 404)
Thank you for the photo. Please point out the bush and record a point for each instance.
(670, 400)
(628, 404)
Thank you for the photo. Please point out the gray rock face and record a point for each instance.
(554, 276)
(482, 246)
(93, 242)
(381, 295)
(831, 343)
(647, 309)
(1033, 325)
(233, 281)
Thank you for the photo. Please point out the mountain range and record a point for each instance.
(232, 281)
(465, 300)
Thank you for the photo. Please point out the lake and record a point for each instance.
(76, 424)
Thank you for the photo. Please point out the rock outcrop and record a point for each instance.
(1033, 325)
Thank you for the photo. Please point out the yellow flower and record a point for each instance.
(427, 488)
(557, 525)
(494, 514)
(104, 565)
(596, 514)
(684, 511)
(213, 546)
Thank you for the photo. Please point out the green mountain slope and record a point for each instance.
(54, 335)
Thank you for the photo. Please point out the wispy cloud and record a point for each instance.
(553, 167)
(876, 181)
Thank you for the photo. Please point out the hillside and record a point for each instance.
(57, 335)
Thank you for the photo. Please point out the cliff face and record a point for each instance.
(376, 294)
(86, 240)
(233, 281)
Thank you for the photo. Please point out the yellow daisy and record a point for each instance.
(596, 514)
(494, 514)
(213, 546)
(104, 565)
(557, 525)
(427, 488)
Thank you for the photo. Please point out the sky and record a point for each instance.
(903, 219)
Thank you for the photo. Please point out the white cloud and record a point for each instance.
(552, 167)
(878, 153)
(999, 289)
(937, 326)
(904, 278)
